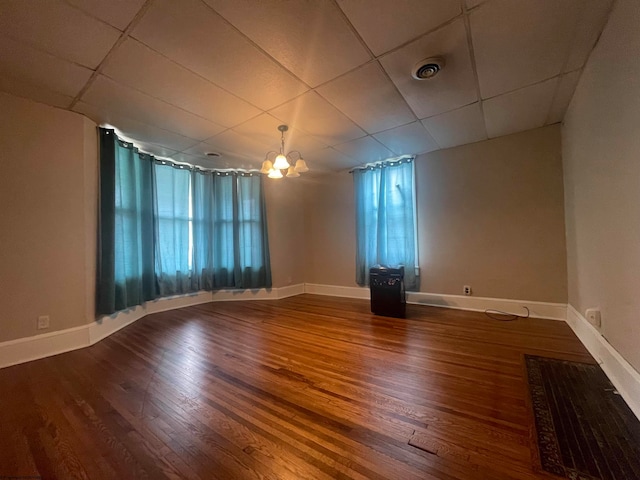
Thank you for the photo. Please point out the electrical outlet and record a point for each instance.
(43, 322)
(593, 317)
(466, 290)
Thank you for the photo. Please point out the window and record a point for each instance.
(385, 219)
(230, 231)
(172, 200)
(168, 229)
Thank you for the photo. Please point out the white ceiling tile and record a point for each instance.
(199, 160)
(314, 115)
(329, 159)
(201, 149)
(225, 161)
(237, 162)
(193, 35)
(135, 130)
(385, 25)
(230, 142)
(189, 73)
(21, 88)
(59, 29)
(120, 100)
(365, 150)
(521, 110)
(409, 139)
(137, 66)
(591, 21)
(458, 127)
(455, 84)
(303, 36)
(474, 3)
(118, 13)
(563, 96)
(153, 149)
(264, 129)
(520, 43)
(369, 98)
(302, 142)
(24, 63)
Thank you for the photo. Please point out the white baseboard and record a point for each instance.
(107, 325)
(554, 311)
(23, 350)
(623, 376)
(27, 349)
(337, 291)
(290, 291)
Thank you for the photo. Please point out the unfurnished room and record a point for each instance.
(320, 239)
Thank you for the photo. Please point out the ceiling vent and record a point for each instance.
(212, 154)
(427, 68)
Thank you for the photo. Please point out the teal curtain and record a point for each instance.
(252, 239)
(385, 219)
(125, 269)
(173, 229)
(203, 230)
(167, 229)
(231, 246)
(224, 191)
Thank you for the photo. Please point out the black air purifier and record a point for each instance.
(387, 291)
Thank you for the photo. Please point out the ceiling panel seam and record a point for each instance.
(120, 41)
(474, 68)
(256, 46)
(567, 55)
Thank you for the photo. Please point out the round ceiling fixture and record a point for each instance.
(427, 68)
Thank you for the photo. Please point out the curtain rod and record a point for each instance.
(180, 165)
(198, 168)
(389, 162)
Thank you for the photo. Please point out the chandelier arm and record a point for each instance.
(291, 158)
(294, 155)
(271, 155)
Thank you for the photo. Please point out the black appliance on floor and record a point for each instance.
(387, 291)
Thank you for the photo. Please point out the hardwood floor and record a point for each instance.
(307, 387)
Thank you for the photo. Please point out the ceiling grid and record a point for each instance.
(186, 77)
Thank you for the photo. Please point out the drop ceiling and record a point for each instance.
(185, 77)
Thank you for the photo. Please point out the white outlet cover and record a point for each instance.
(43, 322)
(593, 317)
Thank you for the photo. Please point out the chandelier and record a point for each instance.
(276, 162)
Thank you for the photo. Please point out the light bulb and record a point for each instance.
(301, 166)
(281, 162)
(266, 166)
(275, 173)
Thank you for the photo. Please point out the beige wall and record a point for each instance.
(90, 151)
(490, 215)
(43, 224)
(330, 230)
(601, 153)
(285, 223)
(48, 218)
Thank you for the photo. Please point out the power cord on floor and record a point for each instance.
(510, 316)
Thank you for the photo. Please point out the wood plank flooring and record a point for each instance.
(308, 387)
